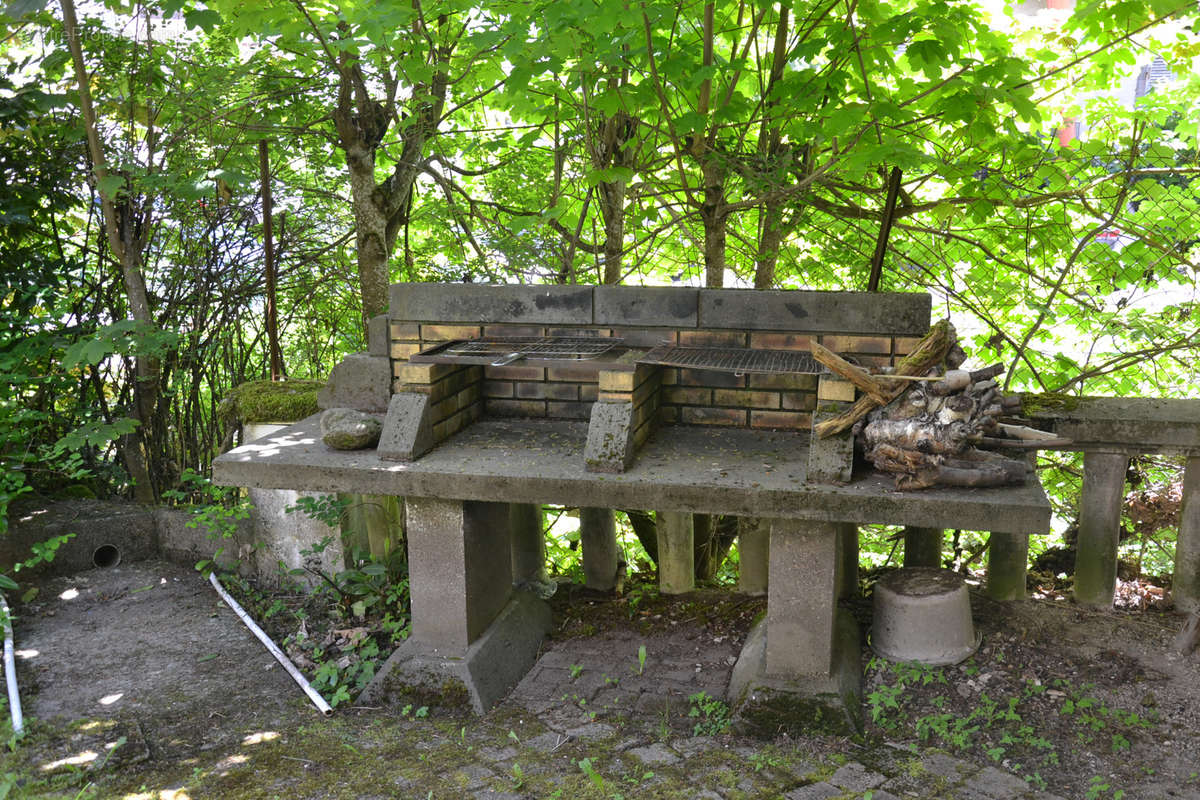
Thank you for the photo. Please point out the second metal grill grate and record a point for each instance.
(732, 359)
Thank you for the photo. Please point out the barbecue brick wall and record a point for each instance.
(735, 318)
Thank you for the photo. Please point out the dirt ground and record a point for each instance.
(139, 684)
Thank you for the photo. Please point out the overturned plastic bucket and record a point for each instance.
(923, 614)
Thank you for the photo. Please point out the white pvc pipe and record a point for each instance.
(10, 672)
(287, 664)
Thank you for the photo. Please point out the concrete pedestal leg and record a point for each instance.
(528, 544)
(1185, 588)
(1008, 555)
(460, 573)
(1099, 528)
(848, 569)
(803, 659)
(598, 538)
(923, 547)
(802, 600)
(467, 623)
(754, 547)
(676, 557)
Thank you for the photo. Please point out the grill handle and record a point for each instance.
(508, 359)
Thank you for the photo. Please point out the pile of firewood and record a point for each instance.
(931, 423)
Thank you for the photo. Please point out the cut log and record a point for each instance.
(1027, 433)
(929, 353)
(875, 387)
(1020, 444)
(953, 381)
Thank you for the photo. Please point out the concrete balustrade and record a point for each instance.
(528, 543)
(601, 555)
(676, 552)
(1185, 588)
(754, 550)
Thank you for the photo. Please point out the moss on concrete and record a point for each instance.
(1034, 404)
(272, 401)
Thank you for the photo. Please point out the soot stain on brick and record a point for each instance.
(682, 307)
(514, 309)
(573, 301)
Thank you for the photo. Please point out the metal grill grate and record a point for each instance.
(534, 346)
(497, 351)
(732, 359)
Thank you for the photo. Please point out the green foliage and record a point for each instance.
(218, 510)
(605, 141)
(712, 715)
(1010, 724)
(585, 766)
(371, 595)
(326, 508)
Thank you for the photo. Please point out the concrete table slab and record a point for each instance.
(805, 645)
(690, 469)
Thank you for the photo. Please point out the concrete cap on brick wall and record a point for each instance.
(669, 306)
(896, 314)
(486, 303)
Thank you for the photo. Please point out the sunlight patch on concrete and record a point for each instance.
(86, 757)
(260, 737)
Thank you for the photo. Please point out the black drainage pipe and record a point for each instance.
(106, 555)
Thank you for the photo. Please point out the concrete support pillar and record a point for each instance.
(598, 538)
(528, 544)
(1099, 528)
(1008, 556)
(1185, 588)
(754, 549)
(460, 576)
(676, 557)
(923, 546)
(802, 599)
(848, 568)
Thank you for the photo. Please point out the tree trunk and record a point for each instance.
(711, 549)
(616, 132)
(714, 215)
(370, 234)
(126, 246)
(769, 138)
(274, 352)
(381, 209)
(612, 208)
(770, 240)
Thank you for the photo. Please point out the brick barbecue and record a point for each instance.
(630, 359)
(676, 400)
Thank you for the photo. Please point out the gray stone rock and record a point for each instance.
(360, 380)
(592, 730)
(545, 742)
(348, 429)
(655, 754)
(994, 783)
(856, 778)
(814, 791)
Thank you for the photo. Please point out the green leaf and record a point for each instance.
(55, 62)
(19, 8)
(203, 18)
(7, 583)
(110, 186)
